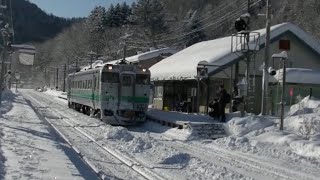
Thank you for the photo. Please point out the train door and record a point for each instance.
(127, 91)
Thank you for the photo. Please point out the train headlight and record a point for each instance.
(110, 67)
(144, 70)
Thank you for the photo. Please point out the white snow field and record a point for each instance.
(32, 150)
(254, 148)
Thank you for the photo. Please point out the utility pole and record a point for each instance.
(124, 51)
(5, 32)
(57, 80)
(283, 98)
(265, 81)
(124, 38)
(64, 77)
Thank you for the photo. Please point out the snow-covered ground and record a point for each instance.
(254, 148)
(300, 138)
(30, 147)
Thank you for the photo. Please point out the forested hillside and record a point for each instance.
(31, 24)
(160, 23)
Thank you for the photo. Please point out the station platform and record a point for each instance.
(200, 124)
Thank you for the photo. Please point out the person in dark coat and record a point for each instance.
(222, 103)
(214, 105)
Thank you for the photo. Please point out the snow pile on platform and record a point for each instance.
(177, 117)
(301, 135)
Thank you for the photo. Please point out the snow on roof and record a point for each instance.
(298, 76)
(95, 64)
(147, 55)
(183, 65)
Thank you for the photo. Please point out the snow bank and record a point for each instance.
(59, 94)
(7, 98)
(307, 105)
(118, 133)
(261, 134)
(2, 159)
(295, 143)
(240, 126)
(53, 92)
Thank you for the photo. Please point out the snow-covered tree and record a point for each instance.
(125, 13)
(192, 29)
(150, 15)
(118, 15)
(97, 20)
(96, 25)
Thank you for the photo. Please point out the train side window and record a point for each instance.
(108, 77)
(90, 84)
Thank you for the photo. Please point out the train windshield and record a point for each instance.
(127, 80)
(142, 79)
(110, 77)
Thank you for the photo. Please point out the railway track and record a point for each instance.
(260, 169)
(249, 166)
(61, 121)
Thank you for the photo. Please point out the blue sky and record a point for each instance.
(73, 8)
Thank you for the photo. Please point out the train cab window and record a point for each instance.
(110, 77)
(142, 79)
(127, 80)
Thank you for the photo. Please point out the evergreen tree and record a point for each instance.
(96, 25)
(118, 15)
(97, 20)
(150, 14)
(125, 12)
(193, 26)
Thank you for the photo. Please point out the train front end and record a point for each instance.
(125, 93)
